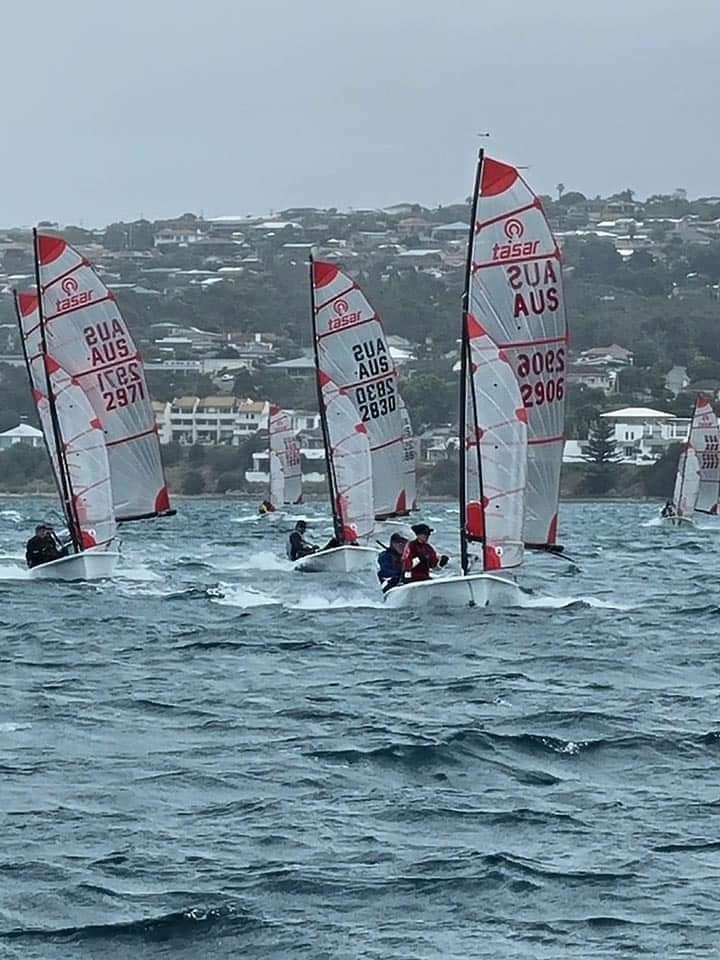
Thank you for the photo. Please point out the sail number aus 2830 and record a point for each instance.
(546, 369)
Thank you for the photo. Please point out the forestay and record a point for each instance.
(87, 336)
(516, 293)
(353, 352)
(409, 457)
(495, 453)
(285, 460)
(350, 463)
(82, 456)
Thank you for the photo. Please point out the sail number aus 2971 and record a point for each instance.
(121, 386)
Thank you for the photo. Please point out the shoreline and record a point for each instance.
(316, 497)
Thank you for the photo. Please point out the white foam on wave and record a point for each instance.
(262, 560)
(12, 515)
(136, 572)
(244, 597)
(319, 602)
(13, 571)
(10, 727)
(557, 603)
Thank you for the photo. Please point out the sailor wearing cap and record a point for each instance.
(419, 557)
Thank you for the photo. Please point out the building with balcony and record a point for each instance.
(219, 420)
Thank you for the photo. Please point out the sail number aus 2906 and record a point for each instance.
(546, 368)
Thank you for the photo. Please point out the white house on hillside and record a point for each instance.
(641, 435)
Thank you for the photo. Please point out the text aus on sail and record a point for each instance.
(114, 363)
(535, 294)
(374, 381)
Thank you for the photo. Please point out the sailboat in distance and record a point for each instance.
(285, 460)
(354, 352)
(76, 446)
(697, 480)
(348, 457)
(494, 435)
(88, 337)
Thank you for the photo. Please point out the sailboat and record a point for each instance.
(86, 334)
(78, 456)
(512, 389)
(697, 480)
(354, 352)
(348, 456)
(285, 460)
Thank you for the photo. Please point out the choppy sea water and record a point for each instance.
(214, 756)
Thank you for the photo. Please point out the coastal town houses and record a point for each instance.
(217, 420)
(641, 434)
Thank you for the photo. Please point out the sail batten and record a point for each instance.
(88, 337)
(353, 352)
(515, 290)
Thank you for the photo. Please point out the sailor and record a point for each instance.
(43, 547)
(265, 507)
(297, 544)
(419, 558)
(668, 510)
(390, 563)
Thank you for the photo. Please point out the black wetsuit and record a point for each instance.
(298, 546)
(42, 550)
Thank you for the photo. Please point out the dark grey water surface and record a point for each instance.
(214, 756)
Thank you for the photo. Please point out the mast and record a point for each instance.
(464, 353)
(66, 492)
(332, 486)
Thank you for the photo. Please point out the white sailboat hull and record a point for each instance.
(669, 522)
(338, 560)
(95, 564)
(474, 590)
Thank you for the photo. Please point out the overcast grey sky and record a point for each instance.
(115, 109)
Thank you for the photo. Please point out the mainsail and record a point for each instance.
(698, 474)
(493, 452)
(89, 339)
(409, 457)
(353, 352)
(73, 435)
(516, 294)
(349, 464)
(285, 460)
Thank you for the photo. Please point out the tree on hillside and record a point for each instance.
(194, 483)
(601, 446)
(659, 479)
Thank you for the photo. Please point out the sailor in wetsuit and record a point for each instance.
(297, 544)
(419, 558)
(668, 510)
(43, 547)
(390, 563)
